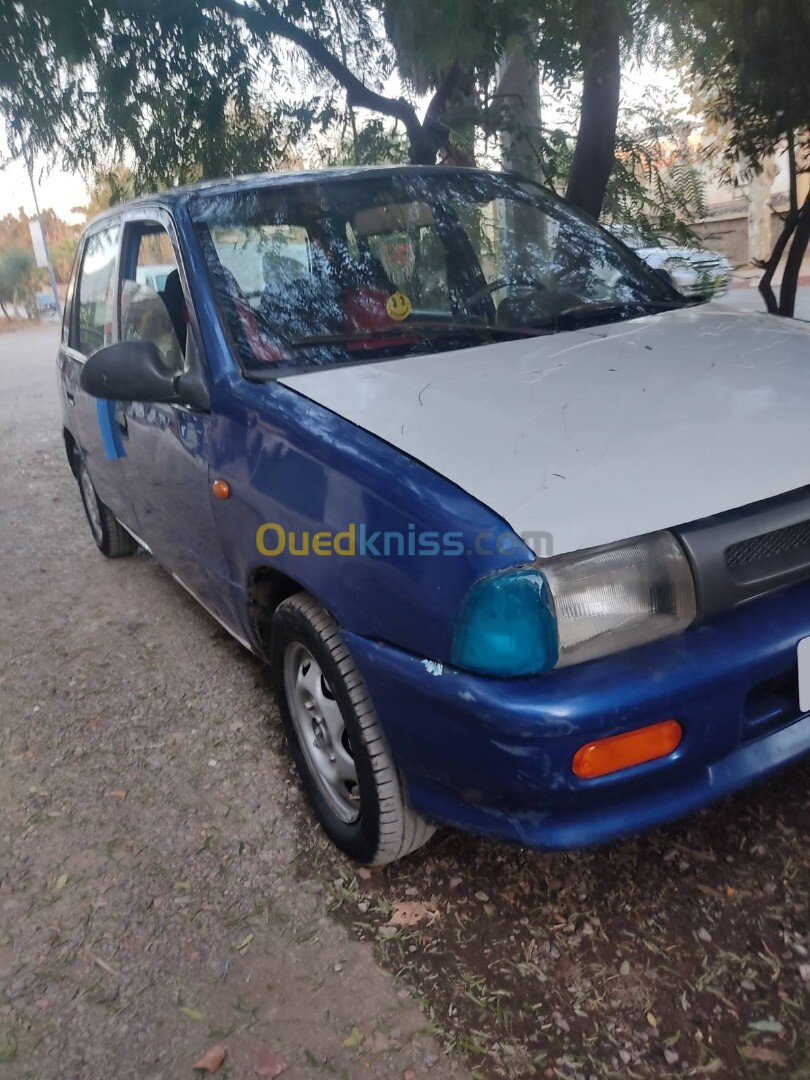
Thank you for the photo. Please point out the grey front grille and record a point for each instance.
(758, 551)
(746, 553)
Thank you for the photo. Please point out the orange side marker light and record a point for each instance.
(221, 489)
(630, 748)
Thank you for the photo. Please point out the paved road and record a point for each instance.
(151, 901)
(750, 300)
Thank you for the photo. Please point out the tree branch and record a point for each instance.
(262, 20)
(435, 133)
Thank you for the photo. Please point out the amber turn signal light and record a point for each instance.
(630, 748)
(221, 489)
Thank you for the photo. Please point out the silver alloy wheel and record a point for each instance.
(321, 732)
(91, 503)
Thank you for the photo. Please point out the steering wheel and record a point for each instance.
(501, 283)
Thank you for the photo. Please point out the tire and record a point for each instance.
(341, 753)
(110, 537)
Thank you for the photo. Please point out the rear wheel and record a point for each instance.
(340, 750)
(110, 537)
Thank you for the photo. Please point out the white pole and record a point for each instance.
(44, 240)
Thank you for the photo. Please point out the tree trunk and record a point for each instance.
(772, 265)
(434, 132)
(793, 267)
(596, 139)
(518, 97)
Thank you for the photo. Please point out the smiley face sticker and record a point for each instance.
(398, 306)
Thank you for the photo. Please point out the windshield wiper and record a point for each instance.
(422, 328)
(617, 308)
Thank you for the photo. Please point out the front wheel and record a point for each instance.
(338, 745)
(111, 538)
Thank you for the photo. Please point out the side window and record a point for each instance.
(95, 302)
(152, 304)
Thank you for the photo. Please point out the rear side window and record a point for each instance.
(95, 301)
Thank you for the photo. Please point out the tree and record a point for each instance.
(599, 38)
(184, 85)
(62, 239)
(62, 253)
(196, 88)
(6, 289)
(749, 61)
(453, 49)
(19, 280)
(214, 87)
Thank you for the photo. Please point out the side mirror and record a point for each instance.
(129, 371)
(136, 371)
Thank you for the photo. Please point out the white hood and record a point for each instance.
(602, 434)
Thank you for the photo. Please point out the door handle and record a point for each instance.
(70, 396)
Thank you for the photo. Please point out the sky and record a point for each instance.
(55, 188)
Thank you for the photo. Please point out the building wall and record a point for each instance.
(744, 221)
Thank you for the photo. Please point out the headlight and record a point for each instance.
(576, 607)
(615, 597)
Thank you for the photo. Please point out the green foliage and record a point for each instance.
(62, 253)
(6, 287)
(430, 36)
(188, 89)
(375, 143)
(19, 279)
(655, 186)
(749, 61)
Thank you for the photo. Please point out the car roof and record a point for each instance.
(175, 196)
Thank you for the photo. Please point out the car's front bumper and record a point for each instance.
(493, 756)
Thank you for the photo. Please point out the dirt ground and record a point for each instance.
(152, 904)
(162, 887)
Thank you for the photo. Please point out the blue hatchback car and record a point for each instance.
(523, 535)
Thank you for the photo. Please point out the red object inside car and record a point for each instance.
(365, 310)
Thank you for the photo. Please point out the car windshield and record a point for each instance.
(342, 270)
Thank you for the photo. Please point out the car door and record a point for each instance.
(167, 446)
(92, 322)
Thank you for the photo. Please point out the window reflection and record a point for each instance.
(304, 273)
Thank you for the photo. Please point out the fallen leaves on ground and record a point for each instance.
(354, 1038)
(763, 1053)
(773, 1027)
(574, 950)
(8, 1048)
(211, 1060)
(380, 1043)
(412, 912)
(707, 890)
(269, 1064)
(191, 1012)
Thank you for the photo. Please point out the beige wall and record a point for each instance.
(743, 222)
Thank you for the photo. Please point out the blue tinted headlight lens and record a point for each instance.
(507, 626)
